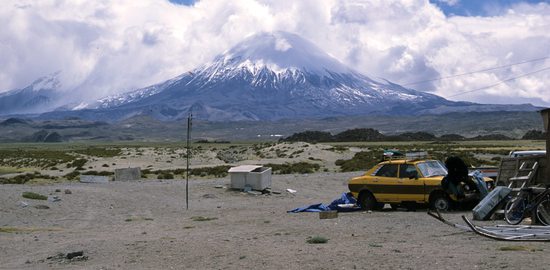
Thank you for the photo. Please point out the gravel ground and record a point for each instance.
(145, 225)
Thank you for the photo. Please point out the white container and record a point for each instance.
(253, 176)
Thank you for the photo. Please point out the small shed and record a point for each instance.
(128, 174)
(252, 176)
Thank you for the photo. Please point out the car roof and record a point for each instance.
(403, 161)
(527, 153)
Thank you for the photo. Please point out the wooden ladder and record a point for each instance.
(524, 175)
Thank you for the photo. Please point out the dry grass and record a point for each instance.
(138, 218)
(201, 218)
(28, 229)
(518, 248)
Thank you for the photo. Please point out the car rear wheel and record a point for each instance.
(367, 201)
(441, 202)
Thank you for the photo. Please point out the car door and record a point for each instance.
(384, 183)
(411, 186)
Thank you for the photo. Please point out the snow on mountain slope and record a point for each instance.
(270, 76)
(40, 96)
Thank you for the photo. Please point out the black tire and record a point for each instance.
(543, 211)
(367, 201)
(440, 201)
(514, 211)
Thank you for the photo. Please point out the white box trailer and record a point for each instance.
(252, 176)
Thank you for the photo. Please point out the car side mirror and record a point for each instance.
(413, 175)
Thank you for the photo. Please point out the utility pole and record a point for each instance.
(189, 124)
(546, 120)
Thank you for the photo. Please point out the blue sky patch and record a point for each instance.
(183, 2)
(478, 7)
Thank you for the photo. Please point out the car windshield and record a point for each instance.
(432, 168)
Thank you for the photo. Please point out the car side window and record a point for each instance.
(387, 170)
(407, 171)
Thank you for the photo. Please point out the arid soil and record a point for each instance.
(145, 225)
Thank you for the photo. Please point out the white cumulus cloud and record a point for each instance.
(108, 47)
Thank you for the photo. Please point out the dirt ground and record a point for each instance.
(145, 225)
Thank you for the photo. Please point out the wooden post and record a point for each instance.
(189, 124)
(545, 118)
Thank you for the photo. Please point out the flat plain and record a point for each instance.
(145, 224)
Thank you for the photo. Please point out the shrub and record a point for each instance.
(290, 168)
(317, 240)
(201, 218)
(72, 175)
(361, 161)
(217, 171)
(166, 175)
(309, 136)
(78, 163)
(101, 173)
(34, 196)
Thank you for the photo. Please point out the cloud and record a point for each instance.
(108, 47)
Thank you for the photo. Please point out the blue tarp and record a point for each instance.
(481, 185)
(346, 198)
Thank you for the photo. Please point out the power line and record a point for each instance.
(500, 82)
(477, 71)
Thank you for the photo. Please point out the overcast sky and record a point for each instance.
(107, 47)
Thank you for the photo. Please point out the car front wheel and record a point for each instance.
(440, 202)
(367, 201)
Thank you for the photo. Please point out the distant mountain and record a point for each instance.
(271, 76)
(42, 95)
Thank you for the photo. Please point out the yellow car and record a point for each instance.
(402, 182)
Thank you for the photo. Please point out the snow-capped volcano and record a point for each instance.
(40, 96)
(270, 76)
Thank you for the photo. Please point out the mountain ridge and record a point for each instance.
(270, 76)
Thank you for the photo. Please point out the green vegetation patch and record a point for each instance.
(42, 158)
(361, 161)
(217, 171)
(201, 218)
(77, 163)
(290, 168)
(100, 173)
(24, 178)
(27, 229)
(100, 152)
(72, 175)
(519, 248)
(8, 170)
(34, 196)
(138, 219)
(317, 240)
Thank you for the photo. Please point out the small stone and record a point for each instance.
(41, 206)
(68, 191)
(71, 255)
(57, 190)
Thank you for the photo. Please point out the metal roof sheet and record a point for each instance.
(244, 168)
